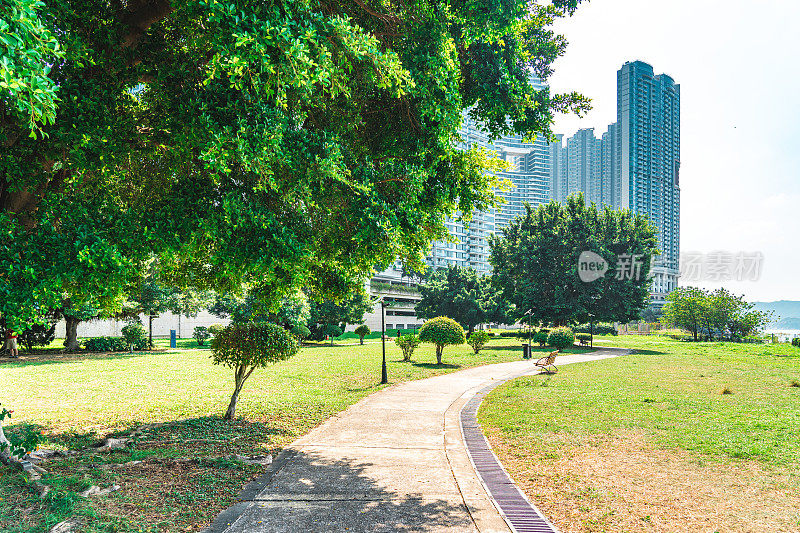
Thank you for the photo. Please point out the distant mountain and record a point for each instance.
(786, 323)
(785, 313)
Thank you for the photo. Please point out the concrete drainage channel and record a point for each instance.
(520, 514)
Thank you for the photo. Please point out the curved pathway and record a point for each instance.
(394, 461)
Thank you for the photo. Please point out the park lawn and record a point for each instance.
(678, 437)
(186, 476)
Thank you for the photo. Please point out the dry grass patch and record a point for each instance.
(623, 483)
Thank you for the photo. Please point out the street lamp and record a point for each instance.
(527, 353)
(595, 298)
(384, 374)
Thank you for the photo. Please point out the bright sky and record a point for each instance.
(737, 64)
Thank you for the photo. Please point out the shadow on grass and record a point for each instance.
(434, 365)
(50, 358)
(648, 352)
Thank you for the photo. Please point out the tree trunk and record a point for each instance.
(240, 377)
(231, 412)
(71, 337)
(439, 354)
(362, 341)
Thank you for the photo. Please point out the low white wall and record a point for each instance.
(183, 325)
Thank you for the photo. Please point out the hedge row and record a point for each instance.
(111, 344)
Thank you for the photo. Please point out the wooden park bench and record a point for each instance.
(547, 363)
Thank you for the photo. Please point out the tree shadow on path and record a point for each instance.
(306, 491)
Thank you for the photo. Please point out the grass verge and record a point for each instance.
(678, 437)
(179, 473)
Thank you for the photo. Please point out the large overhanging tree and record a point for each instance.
(275, 143)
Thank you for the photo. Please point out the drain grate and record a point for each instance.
(521, 514)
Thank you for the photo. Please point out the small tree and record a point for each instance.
(200, 334)
(245, 347)
(332, 330)
(478, 340)
(213, 329)
(561, 338)
(407, 343)
(442, 331)
(135, 336)
(300, 331)
(540, 337)
(362, 331)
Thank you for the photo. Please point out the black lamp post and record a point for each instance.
(530, 346)
(595, 298)
(384, 374)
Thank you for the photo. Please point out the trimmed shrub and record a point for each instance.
(215, 328)
(245, 347)
(796, 342)
(540, 337)
(135, 336)
(478, 340)
(599, 329)
(442, 331)
(362, 331)
(561, 338)
(332, 330)
(200, 334)
(583, 338)
(300, 331)
(105, 344)
(408, 343)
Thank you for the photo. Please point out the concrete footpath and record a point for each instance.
(395, 461)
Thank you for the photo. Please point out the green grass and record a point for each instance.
(673, 391)
(691, 404)
(76, 399)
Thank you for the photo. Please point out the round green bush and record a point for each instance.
(247, 346)
(561, 338)
(478, 340)
(215, 328)
(362, 331)
(408, 343)
(135, 336)
(442, 331)
(200, 334)
(540, 337)
(300, 331)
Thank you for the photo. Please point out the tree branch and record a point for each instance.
(140, 15)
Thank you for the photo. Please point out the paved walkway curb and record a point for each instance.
(395, 461)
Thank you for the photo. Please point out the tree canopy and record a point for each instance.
(280, 145)
(461, 294)
(712, 314)
(536, 263)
